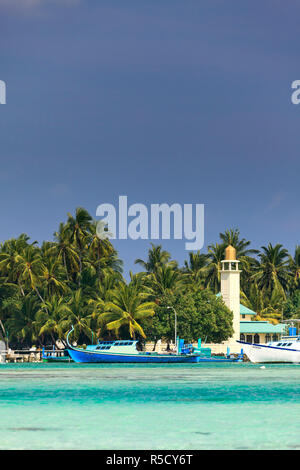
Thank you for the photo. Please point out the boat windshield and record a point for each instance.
(123, 343)
(108, 344)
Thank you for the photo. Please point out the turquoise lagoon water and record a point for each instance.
(206, 406)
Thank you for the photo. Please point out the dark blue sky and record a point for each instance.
(162, 101)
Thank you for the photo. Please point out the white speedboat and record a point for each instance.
(286, 350)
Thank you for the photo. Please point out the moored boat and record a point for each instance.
(286, 350)
(125, 351)
(56, 355)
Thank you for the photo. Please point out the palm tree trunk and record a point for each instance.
(21, 288)
(65, 265)
(4, 334)
(53, 339)
(40, 297)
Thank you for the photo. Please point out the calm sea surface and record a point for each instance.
(206, 406)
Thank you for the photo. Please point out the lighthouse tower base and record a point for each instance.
(230, 292)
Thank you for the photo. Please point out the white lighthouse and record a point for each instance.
(230, 290)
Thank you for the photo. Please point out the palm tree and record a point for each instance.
(232, 237)
(21, 323)
(272, 272)
(107, 286)
(212, 271)
(195, 266)
(142, 282)
(156, 258)
(76, 314)
(49, 318)
(30, 264)
(102, 293)
(167, 280)
(106, 264)
(7, 291)
(64, 251)
(100, 245)
(248, 266)
(294, 268)
(112, 263)
(255, 298)
(9, 265)
(52, 277)
(126, 310)
(273, 310)
(78, 228)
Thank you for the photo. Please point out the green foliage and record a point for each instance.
(47, 289)
(291, 308)
(76, 279)
(199, 315)
(157, 258)
(210, 319)
(127, 309)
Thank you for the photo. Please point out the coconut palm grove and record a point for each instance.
(76, 279)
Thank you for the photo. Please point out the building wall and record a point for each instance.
(215, 348)
(262, 337)
(246, 317)
(220, 348)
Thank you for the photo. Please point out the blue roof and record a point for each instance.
(246, 311)
(261, 327)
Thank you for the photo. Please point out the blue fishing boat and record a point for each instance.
(125, 351)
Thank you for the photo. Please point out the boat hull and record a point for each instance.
(92, 357)
(57, 359)
(260, 353)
